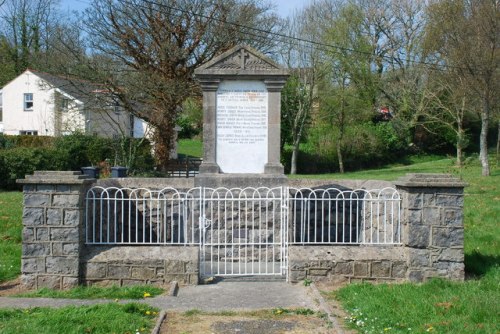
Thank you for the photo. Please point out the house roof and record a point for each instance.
(81, 90)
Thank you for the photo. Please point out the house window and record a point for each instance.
(116, 107)
(64, 104)
(28, 101)
(28, 133)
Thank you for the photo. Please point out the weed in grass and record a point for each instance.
(226, 313)
(297, 311)
(193, 312)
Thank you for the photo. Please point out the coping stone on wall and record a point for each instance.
(430, 180)
(55, 177)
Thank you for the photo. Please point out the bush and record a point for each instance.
(73, 151)
(18, 162)
(8, 141)
(70, 153)
(365, 145)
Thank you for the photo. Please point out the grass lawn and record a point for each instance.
(10, 234)
(94, 292)
(190, 148)
(440, 306)
(98, 319)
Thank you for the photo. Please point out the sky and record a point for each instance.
(283, 7)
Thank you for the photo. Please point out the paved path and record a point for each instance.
(212, 297)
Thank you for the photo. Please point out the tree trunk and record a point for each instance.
(295, 155)
(340, 158)
(162, 145)
(498, 144)
(460, 144)
(459, 155)
(483, 143)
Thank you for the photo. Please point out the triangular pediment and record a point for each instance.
(241, 59)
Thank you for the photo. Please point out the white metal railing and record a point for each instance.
(339, 216)
(225, 217)
(141, 216)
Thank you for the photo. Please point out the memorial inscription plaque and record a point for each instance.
(242, 126)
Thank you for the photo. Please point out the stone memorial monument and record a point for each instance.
(241, 120)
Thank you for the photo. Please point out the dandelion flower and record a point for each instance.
(147, 294)
(148, 312)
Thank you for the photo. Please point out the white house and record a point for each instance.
(38, 103)
(1, 113)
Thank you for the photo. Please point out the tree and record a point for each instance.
(27, 27)
(146, 51)
(447, 104)
(464, 35)
(350, 91)
(300, 92)
(296, 104)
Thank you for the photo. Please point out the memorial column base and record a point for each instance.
(274, 168)
(209, 168)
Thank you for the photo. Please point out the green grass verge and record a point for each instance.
(430, 164)
(440, 306)
(97, 319)
(190, 148)
(93, 292)
(11, 208)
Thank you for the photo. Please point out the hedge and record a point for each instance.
(21, 156)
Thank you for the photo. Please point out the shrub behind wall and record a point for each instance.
(15, 163)
(19, 157)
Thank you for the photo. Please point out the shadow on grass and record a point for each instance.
(477, 264)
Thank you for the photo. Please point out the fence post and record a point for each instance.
(432, 225)
(53, 229)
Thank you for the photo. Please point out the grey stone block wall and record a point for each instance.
(133, 265)
(52, 229)
(433, 228)
(347, 263)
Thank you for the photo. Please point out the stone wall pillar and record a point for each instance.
(53, 229)
(209, 87)
(432, 225)
(274, 87)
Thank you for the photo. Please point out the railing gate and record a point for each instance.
(243, 232)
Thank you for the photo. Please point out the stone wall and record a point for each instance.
(52, 229)
(347, 263)
(433, 227)
(132, 265)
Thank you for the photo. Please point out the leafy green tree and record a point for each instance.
(464, 35)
